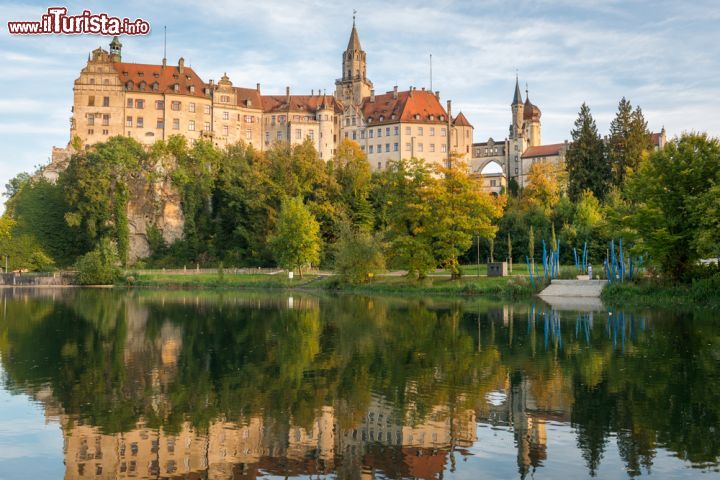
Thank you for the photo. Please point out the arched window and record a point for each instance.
(129, 85)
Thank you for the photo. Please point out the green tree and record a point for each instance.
(96, 188)
(588, 215)
(673, 197)
(101, 266)
(352, 173)
(461, 210)
(358, 254)
(586, 162)
(629, 140)
(409, 216)
(296, 241)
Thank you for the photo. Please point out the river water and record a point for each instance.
(179, 384)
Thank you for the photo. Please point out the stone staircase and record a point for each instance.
(574, 288)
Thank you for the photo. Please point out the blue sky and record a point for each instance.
(662, 55)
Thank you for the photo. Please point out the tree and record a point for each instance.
(587, 215)
(352, 173)
(674, 198)
(461, 210)
(543, 187)
(296, 241)
(409, 215)
(531, 244)
(586, 162)
(629, 139)
(358, 254)
(100, 266)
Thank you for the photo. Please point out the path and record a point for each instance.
(574, 288)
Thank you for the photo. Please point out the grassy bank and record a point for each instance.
(506, 287)
(703, 293)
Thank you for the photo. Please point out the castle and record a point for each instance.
(153, 102)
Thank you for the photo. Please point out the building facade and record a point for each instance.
(153, 102)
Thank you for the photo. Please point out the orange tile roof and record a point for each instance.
(245, 94)
(298, 103)
(544, 150)
(461, 121)
(165, 77)
(404, 107)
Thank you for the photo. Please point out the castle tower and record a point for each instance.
(531, 121)
(517, 108)
(354, 85)
(116, 49)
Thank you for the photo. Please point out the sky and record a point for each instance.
(662, 55)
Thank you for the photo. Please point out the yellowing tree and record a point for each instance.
(460, 210)
(543, 186)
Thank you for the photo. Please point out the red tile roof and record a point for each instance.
(164, 76)
(418, 106)
(298, 103)
(461, 121)
(245, 94)
(544, 150)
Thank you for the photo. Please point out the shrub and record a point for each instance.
(358, 255)
(99, 266)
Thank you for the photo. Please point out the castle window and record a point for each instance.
(432, 131)
(382, 117)
(248, 134)
(175, 105)
(369, 120)
(106, 120)
(279, 135)
(371, 149)
(129, 103)
(129, 85)
(417, 116)
(420, 147)
(191, 107)
(176, 124)
(226, 116)
(393, 116)
(142, 86)
(432, 117)
(354, 121)
(370, 133)
(397, 130)
(191, 125)
(379, 148)
(207, 109)
(139, 103)
(387, 147)
(298, 134)
(420, 131)
(155, 86)
(408, 130)
(354, 135)
(443, 132)
(267, 138)
(311, 135)
(106, 82)
(141, 74)
(443, 148)
(395, 147)
(92, 81)
(140, 123)
(379, 132)
(160, 123)
(207, 126)
(128, 122)
(387, 131)
(156, 75)
(176, 87)
(224, 99)
(91, 132)
(159, 104)
(106, 132)
(106, 101)
(90, 119)
(432, 147)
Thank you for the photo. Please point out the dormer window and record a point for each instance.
(155, 86)
(142, 85)
(248, 103)
(176, 87)
(369, 119)
(175, 75)
(129, 85)
(393, 116)
(417, 116)
(187, 77)
(442, 118)
(125, 74)
(192, 88)
(141, 74)
(156, 75)
(382, 118)
(432, 117)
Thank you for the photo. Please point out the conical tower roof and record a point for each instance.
(354, 42)
(517, 99)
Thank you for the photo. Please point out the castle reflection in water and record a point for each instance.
(181, 385)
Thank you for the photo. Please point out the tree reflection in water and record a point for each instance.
(235, 385)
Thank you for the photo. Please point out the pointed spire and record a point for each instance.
(517, 99)
(354, 43)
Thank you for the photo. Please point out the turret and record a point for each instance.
(116, 49)
(517, 111)
(354, 85)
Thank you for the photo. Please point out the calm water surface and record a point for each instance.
(171, 384)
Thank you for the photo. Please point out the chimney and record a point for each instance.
(411, 90)
(437, 94)
(423, 89)
(257, 87)
(212, 82)
(164, 62)
(395, 92)
(449, 110)
(312, 93)
(287, 92)
(372, 95)
(181, 64)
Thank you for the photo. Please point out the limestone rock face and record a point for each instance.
(154, 201)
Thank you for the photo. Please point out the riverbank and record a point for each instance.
(505, 287)
(703, 293)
